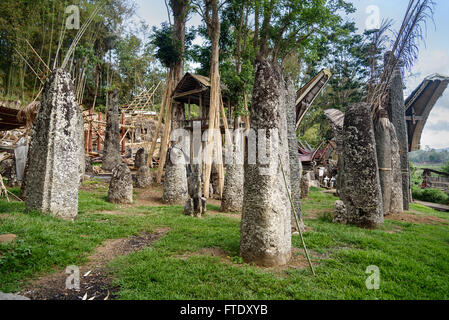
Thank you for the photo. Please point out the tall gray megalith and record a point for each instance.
(112, 156)
(396, 112)
(295, 162)
(266, 216)
(232, 199)
(361, 192)
(175, 176)
(53, 172)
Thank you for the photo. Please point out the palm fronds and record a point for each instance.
(404, 50)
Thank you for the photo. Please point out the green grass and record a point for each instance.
(413, 261)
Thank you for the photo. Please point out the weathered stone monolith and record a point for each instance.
(141, 158)
(295, 162)
(340, 214)
(266, 217)
(397, 198)
(81, 153)
(144, 177)
(383, 150)
(52, 177)
(121, 185)
(232, 199)
(8, 172)
(112, 156)
(196, 204)
(175, 176)
(361, 192)
(396, 112)
(305, 186)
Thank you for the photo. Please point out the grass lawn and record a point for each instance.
(413, 258)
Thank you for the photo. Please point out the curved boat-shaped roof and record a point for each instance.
(419, 105)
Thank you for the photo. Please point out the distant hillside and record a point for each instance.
(433, 156)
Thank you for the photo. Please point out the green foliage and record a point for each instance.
(445, 168)
(168, 49)
(429, 156)
(340, 253)
(430, 195)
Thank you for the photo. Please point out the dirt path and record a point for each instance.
(95, 279)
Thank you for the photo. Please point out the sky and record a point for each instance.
(433, 54)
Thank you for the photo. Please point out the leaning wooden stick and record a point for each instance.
(296, 217)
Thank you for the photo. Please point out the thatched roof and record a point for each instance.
(192, 87)
(8, 117)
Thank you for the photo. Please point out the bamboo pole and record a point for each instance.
(167, 129)
(159, 122)
(123, 133)
(296, 217)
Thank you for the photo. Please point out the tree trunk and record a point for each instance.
(213, 28)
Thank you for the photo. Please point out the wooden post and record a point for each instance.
(86, 142)
(90, 130)
(99, 133)
(123, 132)
(159, 122)
(167, 129)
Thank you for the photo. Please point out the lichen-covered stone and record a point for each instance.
(383, 150)
(52, 177)
(140, 158)
(396, 112)
(175, 176)
(195, 205)
(232, 199)
(295, 162)
(88, 165)
(340, 215)
(266, 217)
(361, 189)
(81, 153)
(121, 185)
(8, 172)
(397, 199)
(112, 156)
(144, 177)
(305, 186)
(175, 179)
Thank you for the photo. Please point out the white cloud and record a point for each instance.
(437, 139)
(429, 62)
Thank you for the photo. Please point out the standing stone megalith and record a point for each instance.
(52, 177)
(232, 199)
(112, 156)
(140, 159)
(175, 176)
(383, 150)
(144, 177)
(196, 204)
(397, 203)
(121, 185)
(361, 191)
(266, 216)
(295, 162)
(396, 112)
